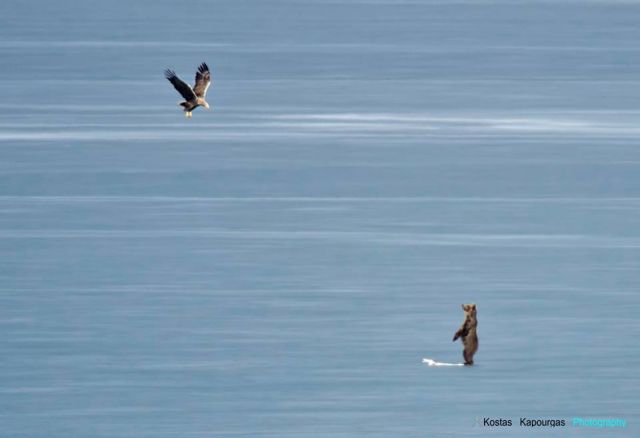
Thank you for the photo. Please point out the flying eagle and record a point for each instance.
(193, 97)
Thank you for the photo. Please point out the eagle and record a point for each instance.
(193, 97)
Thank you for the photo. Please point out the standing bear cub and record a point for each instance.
(468, 333)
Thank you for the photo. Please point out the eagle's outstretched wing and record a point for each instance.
(203, 80)
(183, 88)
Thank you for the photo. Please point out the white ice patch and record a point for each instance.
(433, 363)
(453, 125)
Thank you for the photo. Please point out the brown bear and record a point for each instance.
(468, 333)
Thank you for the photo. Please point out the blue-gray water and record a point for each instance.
(279, 266)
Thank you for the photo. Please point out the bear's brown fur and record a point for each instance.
(468, 333)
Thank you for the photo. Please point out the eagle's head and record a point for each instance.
(200, 101)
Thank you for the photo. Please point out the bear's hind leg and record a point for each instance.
(468, 358)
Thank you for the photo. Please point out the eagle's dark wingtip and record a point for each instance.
(203, 67)
(168, 73)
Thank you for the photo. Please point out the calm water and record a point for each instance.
(279, 267)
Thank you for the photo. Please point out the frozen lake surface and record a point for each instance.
(280, 266)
